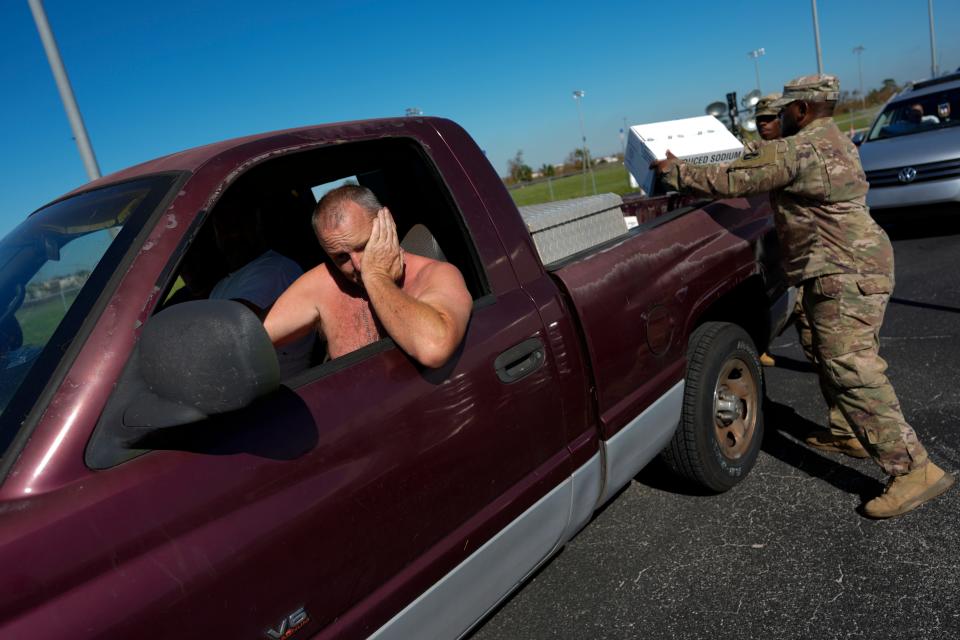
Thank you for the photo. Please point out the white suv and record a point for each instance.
(912, 152)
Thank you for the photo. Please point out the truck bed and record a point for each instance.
(637, 296)
(569, 229)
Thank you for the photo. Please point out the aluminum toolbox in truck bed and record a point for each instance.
(561, 229)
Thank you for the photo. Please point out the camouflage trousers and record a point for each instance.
(840, 334)
(838, 424)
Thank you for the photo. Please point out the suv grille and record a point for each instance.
(932, 171)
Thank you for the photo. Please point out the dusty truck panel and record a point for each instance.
(365, 494)
(656, 279)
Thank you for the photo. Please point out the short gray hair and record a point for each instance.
(329, 210)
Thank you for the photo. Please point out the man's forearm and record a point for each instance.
(416, 327)
(286, 323)
(771, 166)
(706, 180)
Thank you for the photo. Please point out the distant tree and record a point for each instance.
(547, 170)
(879, 96)
(854, 101)
(519, 171)
(574, 161)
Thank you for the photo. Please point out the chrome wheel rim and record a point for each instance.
(735, 400)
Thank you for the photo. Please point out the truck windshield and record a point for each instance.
(915, 115)
(46, 264)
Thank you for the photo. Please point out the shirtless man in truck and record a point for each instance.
(371, 288)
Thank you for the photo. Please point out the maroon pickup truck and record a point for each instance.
(160, 479)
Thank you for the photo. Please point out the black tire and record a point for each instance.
(724, 383)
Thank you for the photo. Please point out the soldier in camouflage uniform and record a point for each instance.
(843, 261)
(841, 437)
(765, 115)
(768, 127)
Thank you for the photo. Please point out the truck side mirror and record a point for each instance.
(857, 138)
(198, 359)
(195, 360)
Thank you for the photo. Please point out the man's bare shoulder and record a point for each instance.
(426, 272)
(317, 279)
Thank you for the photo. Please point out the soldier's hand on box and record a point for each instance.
(663, 166)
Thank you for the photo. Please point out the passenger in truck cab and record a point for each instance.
(257, 274)
(370, 288)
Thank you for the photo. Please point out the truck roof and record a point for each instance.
(194, 158)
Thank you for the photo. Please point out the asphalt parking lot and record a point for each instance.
(785, 554)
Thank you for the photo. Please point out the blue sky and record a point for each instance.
(154, 78)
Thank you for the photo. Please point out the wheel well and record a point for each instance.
(745, 305)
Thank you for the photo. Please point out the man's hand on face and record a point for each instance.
(382, 256)
(663, 166)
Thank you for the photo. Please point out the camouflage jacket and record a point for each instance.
(818, 193)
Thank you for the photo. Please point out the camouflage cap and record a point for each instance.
(818, 88)
(765, 106)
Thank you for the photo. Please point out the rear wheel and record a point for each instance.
(721, 427)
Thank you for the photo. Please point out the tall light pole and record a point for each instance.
(66, 91)
(859, 49)
(933, 42)
(816, 37)
(755, 54)
(623, 139)
(578, 96)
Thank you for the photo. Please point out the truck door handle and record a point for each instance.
(520, 360)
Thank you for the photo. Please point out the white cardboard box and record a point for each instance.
(700, 140)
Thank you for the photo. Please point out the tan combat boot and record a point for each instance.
(907, 492)
(826, 441)
(767, 360)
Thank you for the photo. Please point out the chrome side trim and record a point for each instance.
(453, 605)
(643, 438)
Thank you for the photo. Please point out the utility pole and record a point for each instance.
(859, 49)
(66, 91)
(933, 42)
(755, 54)
(623, 139)
(578, 96)
(816, 37)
